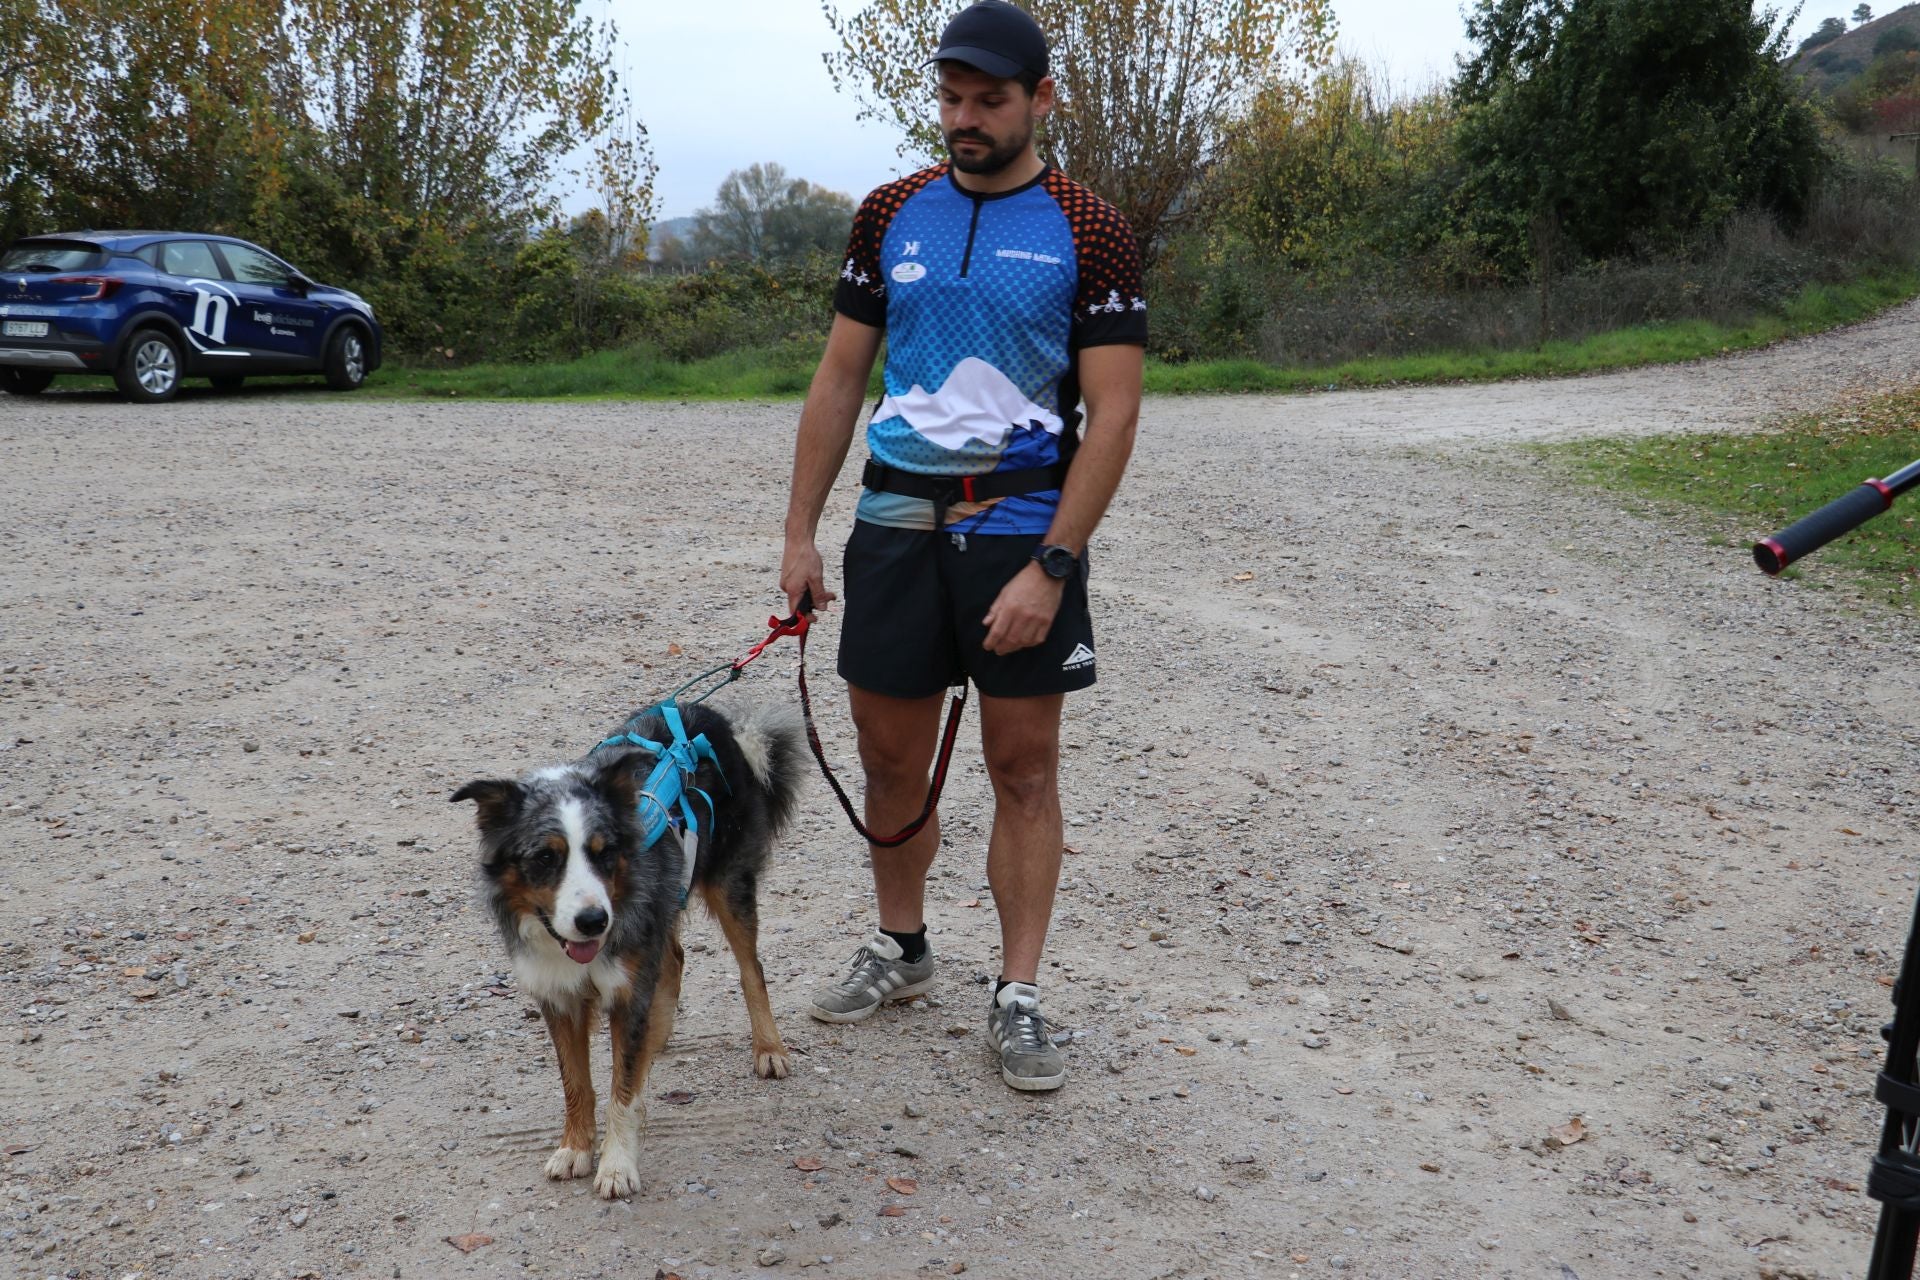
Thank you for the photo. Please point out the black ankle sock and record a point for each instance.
(1001, 984)
(913, 946)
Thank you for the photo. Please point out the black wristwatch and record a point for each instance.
(1059, 562)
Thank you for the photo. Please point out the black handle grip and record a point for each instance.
(1805, 536)
(806, 603)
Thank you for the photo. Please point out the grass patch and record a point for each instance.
(763, 373)
(1748, 486)
(783, 372)
(1815, 309)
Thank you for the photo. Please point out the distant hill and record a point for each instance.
(1828, 66)
(682, 228)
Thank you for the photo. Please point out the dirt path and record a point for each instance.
(1387, 762)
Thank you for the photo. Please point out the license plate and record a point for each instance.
(26, 329)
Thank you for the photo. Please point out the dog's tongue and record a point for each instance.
(582, 952)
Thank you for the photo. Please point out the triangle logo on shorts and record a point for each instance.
(1080, 657)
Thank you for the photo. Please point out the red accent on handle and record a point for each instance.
(1780, 556)
(795, 626)
(1887, 495)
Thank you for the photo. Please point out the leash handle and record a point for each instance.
(793, 625)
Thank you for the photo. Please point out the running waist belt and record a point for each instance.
(944, 491)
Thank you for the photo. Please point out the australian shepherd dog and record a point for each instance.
(591, 919)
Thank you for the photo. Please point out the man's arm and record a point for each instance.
(833, 406)
(1110, 381)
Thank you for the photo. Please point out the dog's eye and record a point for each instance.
(544, 860)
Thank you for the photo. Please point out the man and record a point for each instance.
(1006, 293)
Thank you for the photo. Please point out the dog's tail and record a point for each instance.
(772, 740)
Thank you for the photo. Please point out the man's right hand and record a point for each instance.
(801, 572)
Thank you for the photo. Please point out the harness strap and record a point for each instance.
(667, 786)
(666, 798)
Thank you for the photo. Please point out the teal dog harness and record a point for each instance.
(666, 799)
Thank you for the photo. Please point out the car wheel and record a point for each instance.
(347, 359)
(149, 370)
(227, 381)
(25, 382)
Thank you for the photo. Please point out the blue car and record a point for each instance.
(150, 308)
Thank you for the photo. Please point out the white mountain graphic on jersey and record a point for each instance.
(978, 402)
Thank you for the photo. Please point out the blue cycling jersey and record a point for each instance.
(987, 301)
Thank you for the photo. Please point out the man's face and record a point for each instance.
(988, 122)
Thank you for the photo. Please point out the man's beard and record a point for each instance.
(997, 157)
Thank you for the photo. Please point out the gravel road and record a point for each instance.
(1468, 877)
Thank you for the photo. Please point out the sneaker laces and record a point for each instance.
(1026, 1026)
(869, 963)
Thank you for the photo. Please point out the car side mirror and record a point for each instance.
(299, 283)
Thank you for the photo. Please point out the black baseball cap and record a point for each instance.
(1000, 39)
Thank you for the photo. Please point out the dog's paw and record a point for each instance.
(616, 1180)
(771, 1064)
(569, 1162)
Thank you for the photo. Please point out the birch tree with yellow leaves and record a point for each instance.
(1148, 89)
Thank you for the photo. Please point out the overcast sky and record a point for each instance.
(722, 84)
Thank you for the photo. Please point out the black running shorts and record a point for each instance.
(914, 601)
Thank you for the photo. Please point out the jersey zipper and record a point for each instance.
(973, 226)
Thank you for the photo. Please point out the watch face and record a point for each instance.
(1057, 561)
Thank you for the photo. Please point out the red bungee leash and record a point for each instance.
(797, 626)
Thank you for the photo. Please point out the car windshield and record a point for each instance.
(51, 255)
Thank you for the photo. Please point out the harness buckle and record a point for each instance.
(966, 489)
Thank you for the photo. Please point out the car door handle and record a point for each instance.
(185, 295)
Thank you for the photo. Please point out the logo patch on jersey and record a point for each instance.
(908, 272)
(1027, 255)
(1080, 657)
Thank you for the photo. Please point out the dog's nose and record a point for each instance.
(591, 923)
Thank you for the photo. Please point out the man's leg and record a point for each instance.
(898, 737)
(1021, 738)
(1022, 741)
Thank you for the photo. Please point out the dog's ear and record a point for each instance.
(498, 801)
(615, 780)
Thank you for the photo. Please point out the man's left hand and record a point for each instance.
(1023, 613)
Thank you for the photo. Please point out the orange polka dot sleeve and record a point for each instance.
(1110, 305)
(862, 292)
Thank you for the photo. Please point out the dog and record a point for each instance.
(591, 918)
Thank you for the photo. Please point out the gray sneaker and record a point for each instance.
(1028, 1060)
(875, 976)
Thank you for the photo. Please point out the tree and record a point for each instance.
(147, 112)
(1826, 33)
(1148, 89)
(457, 110)
(35, 46)
(761, 215)
(1612, 124)
(1863, 14)
(1896, 40)
(671, 252)
(407, 146)
(1339, 172)
(610, 239)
